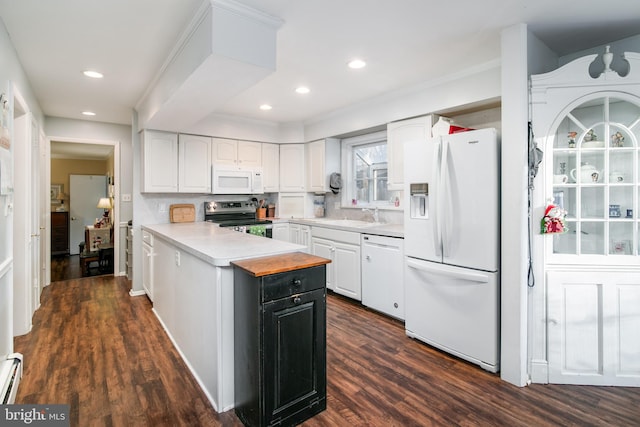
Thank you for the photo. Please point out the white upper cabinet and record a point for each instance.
(271, 168)
(175, 164)
(159, 161)
(292, 167)
(236, 153)
(322, 159)
(399, 133)
(194, 164)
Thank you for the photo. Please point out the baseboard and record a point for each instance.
(137, 293)
(540, 371)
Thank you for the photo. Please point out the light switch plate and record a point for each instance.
(126, 197)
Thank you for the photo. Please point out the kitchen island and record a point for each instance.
(193, 296)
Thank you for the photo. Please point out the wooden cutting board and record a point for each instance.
(182, 213)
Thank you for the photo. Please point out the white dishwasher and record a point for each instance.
(382, 274)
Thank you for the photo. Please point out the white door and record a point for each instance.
(382, 274)
(249, 154)
(292, 167)
(35, 213)
(346, 258)
(271, 167)
(147, 269)
(454, 309)
(84, 193)
(194, 164)
(324, 248)
(469, 211)
(593, 324)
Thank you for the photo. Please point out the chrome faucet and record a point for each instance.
(375, 213)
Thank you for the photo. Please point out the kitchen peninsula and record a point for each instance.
(193, 296)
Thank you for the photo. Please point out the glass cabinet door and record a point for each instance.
(596, 174)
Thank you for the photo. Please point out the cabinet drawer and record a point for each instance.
(293, 282)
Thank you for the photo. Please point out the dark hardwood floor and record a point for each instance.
(65, 267)
(103, 352)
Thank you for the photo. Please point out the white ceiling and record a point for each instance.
(405, 42)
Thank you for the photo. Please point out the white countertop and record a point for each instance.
(219, 246)
(379, 229)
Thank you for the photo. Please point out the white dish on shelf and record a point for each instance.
(592, 144)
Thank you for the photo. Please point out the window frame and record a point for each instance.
(348, 173)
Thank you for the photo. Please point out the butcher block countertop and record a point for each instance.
(218, 246)
(265, 266)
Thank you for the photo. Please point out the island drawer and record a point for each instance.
(289, 283)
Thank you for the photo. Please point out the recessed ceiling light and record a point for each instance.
(357, 63)
(302, 90)
(266, 107)
(93, 74)
(88, 113)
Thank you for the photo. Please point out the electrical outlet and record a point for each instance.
(162, 207)
(178, 258)
(126, 197)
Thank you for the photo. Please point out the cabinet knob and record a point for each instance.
(296, 300)
(368, 258)
(297, 282)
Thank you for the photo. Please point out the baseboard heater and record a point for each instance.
(10, 375)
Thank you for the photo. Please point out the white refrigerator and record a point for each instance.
(452, 244)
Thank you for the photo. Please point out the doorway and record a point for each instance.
(81, 162)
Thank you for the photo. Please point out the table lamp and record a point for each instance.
(105, 203)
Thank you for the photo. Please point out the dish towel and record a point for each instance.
(258, 230)
(335, 182)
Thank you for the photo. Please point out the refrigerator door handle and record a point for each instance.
(437, 241)
(468, 276)
(445, 202)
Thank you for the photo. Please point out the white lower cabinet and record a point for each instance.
(593, 323)
(343, 249)
(280, 231)
(301, 235)
(147, 263)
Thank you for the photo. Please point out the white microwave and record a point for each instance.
(230, 180)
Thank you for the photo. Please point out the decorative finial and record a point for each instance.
(607, 58)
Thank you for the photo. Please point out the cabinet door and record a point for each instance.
(294, 233)
(224, 151)
(292, 167)
(594, 178)
(194, 164)
(294, 353)
(280, 232)
(593, 325)
(346, 261)
(305, 237)
(399, 133)
(147, 270)
(271, 168)
(315, 158)
(324, 248)
(249, 154)
(160, 162)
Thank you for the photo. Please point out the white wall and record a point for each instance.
(11, 75)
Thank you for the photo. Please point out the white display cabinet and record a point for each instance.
(590, 134)
(584, 306)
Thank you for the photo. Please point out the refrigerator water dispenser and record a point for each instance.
(419, 200)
